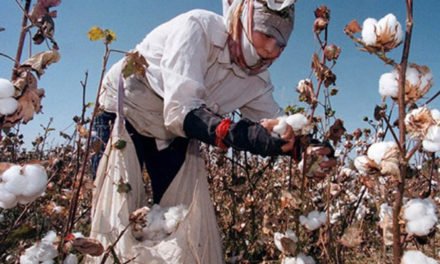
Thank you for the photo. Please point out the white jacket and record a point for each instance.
(189, 65)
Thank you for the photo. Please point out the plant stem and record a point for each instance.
(22, 38)
(397, 245)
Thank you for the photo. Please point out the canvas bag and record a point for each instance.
(196, 239)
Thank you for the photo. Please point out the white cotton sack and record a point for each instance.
(297, 121)
(8, 106)
(377, 151)
(431, 142)
(6, 88)
(369, 31)
(388, 84)
(415, 256)
(7, 199)
(313, 220)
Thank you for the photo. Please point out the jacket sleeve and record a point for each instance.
(246, 135)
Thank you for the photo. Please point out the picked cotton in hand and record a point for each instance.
(163, 221)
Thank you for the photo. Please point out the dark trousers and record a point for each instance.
(161, 165)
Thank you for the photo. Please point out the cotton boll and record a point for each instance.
(71, 259)
(369, 31)
(415, 256)
(47, 252)
(314, 220)
(301, 258)
(6, 88)
(37, 180)
(297, 121)
(281, 127)
(361, 164)
(50, 237)
(420, 227)
(8, 106)
(377, 151)
(388, 85)
(289, 260)
(29, 259)
(14, 181)
(414, 209)
(431, 142)
(420, 215)
(173, 216)
(425, 79)
(7, 199)
(412, 76)
(435, 113)
(278, 236)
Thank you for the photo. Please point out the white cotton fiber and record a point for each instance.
(15, 182)
(420, 215)
(37, 180)
(417, 257)
(71, 259)
(297, 121)
(8, 106)
(281, 127)
(377, 150)
(6, 88)
(173, 216)
(278, 236)
(313, 220)
(361, 164)
(435, 113)
(425, 79)
(412, 76)
(7, 199)
(300, 259)
(388, 85)
(43, 251)
(163, 221)
(431, 142)
(369, 31)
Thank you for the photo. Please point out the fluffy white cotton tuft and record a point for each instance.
(361, 164)
(431, 142)
(43, 251)
(8, 106)
(297, 121)
(377, 151)
(22, 184)
(6, 88)
(420, 216)
(313, 220)
(278, 236)
(300, 259)
(369, 31)
(435, 113)
(163, 221)
(281, 127)
(390, 23)
(388, 84)
(415, 256)
(71, 259)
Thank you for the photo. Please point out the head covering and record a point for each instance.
(245, 16)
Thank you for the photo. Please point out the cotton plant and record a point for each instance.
(415, 256)
(300, 259)
(420, 216)
(418, 81)
(42, 251)
(157, 222)
(384, 35)
(313, 220)
(382, 157)
(298, 122)
(8, 104)
(22, 184)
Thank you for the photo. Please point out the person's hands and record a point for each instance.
(288, 135)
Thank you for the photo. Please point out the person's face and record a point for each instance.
(266, 46)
